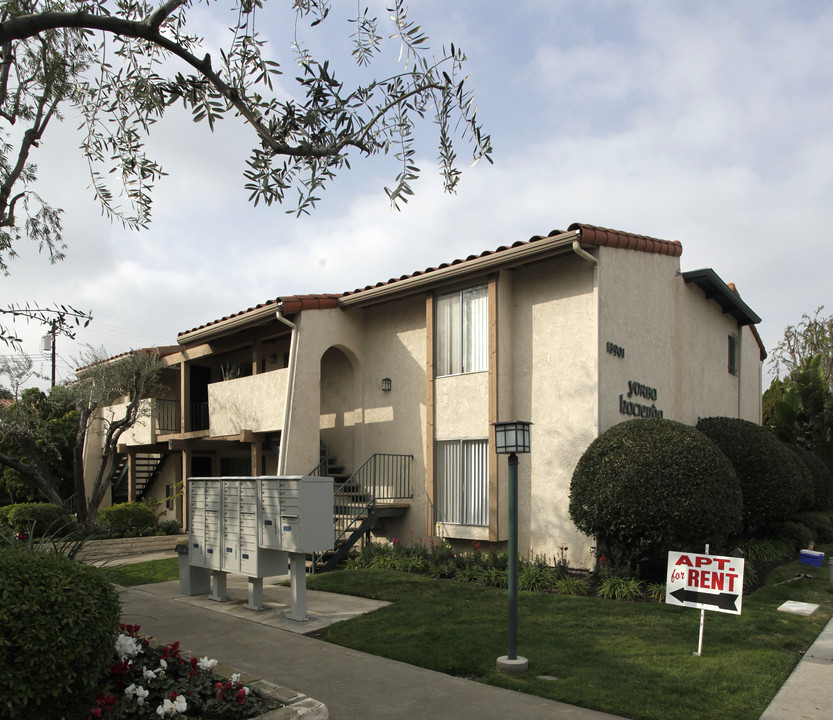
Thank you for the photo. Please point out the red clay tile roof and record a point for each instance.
(590, 235)
(291, 304)
(593, 235)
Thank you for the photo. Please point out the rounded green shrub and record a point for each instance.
(58, 625)
(771, 484)
(807, 486)
(169, 527)
(39, 518)
(819, 523)
(647, 486)
(130, 518)
(822, 480)
(796, 533)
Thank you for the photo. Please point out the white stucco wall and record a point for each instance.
(395, 421)
(675, 343)
(253, 403)
(638, 313)
(553, 377)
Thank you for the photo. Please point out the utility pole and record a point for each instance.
(48, 343)
(53, 352)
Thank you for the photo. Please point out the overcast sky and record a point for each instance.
(706, 122)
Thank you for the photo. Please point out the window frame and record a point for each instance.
(458, 350)
(470, 481)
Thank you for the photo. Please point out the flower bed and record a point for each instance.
(158, 682)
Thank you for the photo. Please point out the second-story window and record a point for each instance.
(733, 354)
(462, 331)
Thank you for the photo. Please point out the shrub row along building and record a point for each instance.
(392, 389)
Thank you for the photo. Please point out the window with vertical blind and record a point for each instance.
(462, 331)
(462, 481)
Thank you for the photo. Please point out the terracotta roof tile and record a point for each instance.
(291, 303)
(590, 235)
(593, 235)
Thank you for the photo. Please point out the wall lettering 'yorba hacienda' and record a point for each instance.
(637, 409)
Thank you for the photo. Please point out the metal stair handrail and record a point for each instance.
(383, 476)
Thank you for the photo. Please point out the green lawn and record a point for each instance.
(631, 659)
(626, 658)
(143, 573)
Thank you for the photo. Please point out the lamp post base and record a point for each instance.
(515, 667)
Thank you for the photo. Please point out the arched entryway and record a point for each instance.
(339, 408)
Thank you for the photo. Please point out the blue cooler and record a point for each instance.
(812, 557)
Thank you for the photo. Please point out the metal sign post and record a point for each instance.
(702, 622)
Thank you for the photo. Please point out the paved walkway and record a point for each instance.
(357, 686)
(353, 685)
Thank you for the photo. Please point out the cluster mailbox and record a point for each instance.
(254, 526)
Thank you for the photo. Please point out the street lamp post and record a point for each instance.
(512, 438)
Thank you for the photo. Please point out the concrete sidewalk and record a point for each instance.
(353, 685)
(357, 686)
(808, 692)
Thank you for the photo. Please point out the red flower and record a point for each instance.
(97, 712)
(602, 559)
(476, 545)
(395, 541)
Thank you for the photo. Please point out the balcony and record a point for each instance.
(255, 403)
(155, 417)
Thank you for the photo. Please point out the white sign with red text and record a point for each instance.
(707, 582)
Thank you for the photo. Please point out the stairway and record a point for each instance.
(148, 466)
(374, 492)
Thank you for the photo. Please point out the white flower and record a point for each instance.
(235, 678)
(179, 704)
(163, 664)
(149, 674)
(141, 694)
(172, 708)
(138, 692)
(127, 646)
(206, 664)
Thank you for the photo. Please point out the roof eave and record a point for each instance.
(231, 324)
(715, 289)
(508, 257)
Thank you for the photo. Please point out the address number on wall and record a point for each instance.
(616, 350)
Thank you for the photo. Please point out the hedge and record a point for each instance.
(647, 485)
(771, 483)
(58, 625)
(38, 518)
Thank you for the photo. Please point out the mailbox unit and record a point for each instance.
(248, 525)
(296, 514)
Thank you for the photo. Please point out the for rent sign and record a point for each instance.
(708, 582)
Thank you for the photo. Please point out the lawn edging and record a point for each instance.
(110, 549)
(295, 705)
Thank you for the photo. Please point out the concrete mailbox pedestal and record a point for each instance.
(192, 580)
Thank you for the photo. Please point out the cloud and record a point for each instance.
(708, 123)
